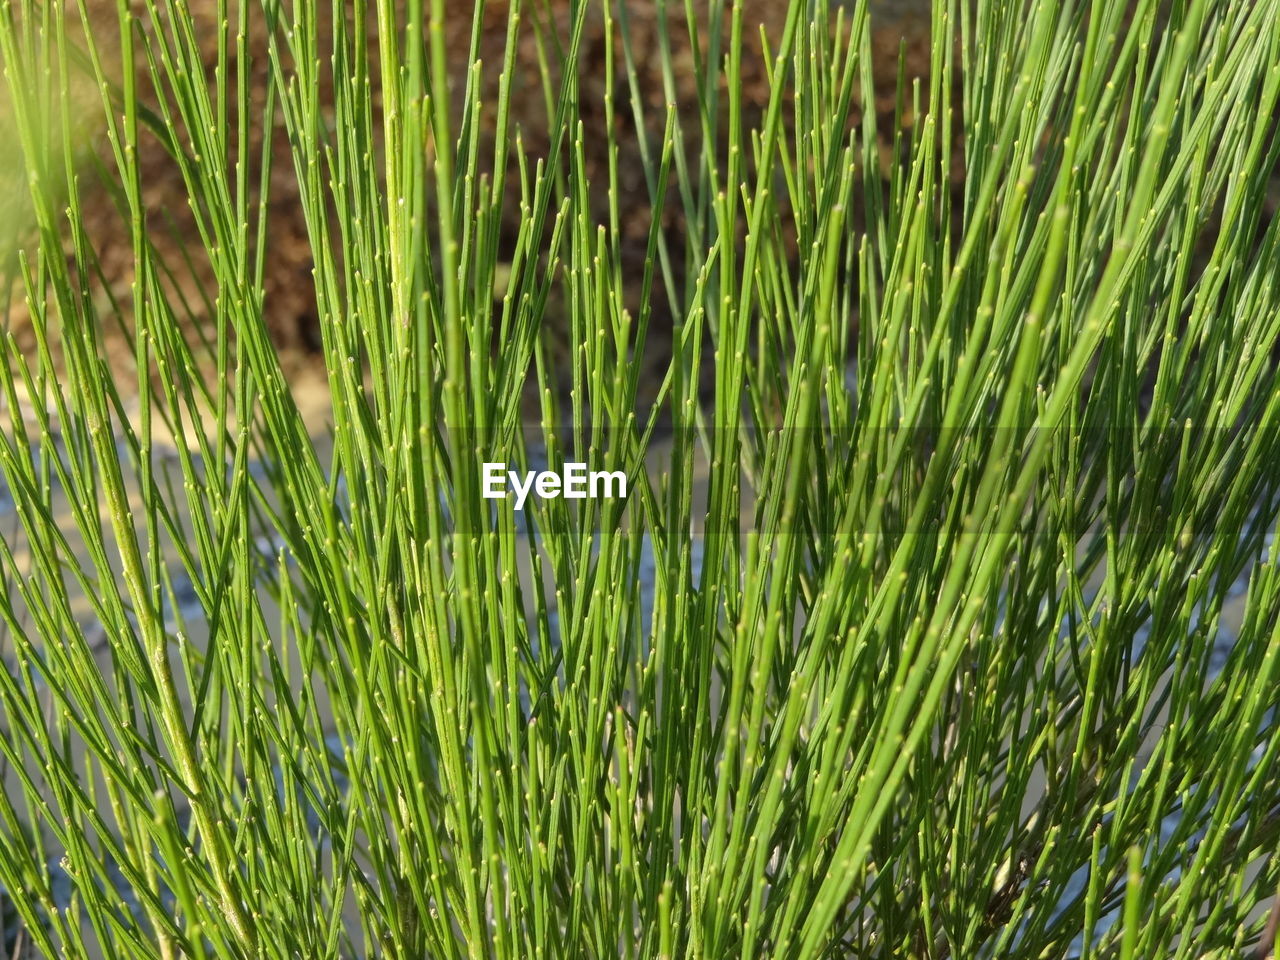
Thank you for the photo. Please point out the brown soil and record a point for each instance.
(289, 295)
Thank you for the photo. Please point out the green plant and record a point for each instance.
(944, 687)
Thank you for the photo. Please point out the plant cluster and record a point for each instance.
(907, 640)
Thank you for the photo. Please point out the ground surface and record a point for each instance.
(289, 296)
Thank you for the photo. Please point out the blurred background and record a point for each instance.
(900, 39)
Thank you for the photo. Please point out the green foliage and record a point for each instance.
(906, 642)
